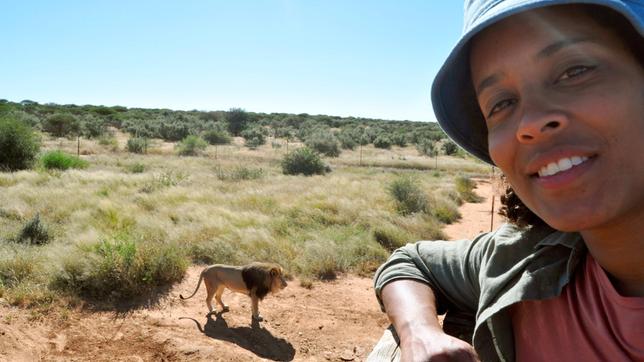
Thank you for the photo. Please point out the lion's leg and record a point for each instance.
(255, 304)
(218, 294)
(210, 292)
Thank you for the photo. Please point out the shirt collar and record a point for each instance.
(570, 240)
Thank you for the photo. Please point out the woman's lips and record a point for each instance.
(561, 165)
(564, 172)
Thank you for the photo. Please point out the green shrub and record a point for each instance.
(426, 147)
(61, 161)
(465, 188)
(382, 141)
(28, 119)
(324, 142)
(408, 195)
(254, 137)
(350, 138)
(18, 143)
(119, 270)
(450, 148)
(93, 127)
(137, 145)
(172, 128)
(216, 137)
(303, 161)
(399, 139)
(191, 146)
(347, 142)
(34, 232)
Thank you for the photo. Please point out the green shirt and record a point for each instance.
(483, 277)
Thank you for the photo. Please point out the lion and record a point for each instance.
(255, 280)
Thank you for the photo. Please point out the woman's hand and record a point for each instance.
(424, 345)
(411, 307)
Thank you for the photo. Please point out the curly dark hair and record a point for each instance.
(515, 210)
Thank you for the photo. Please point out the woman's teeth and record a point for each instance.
(561, 165)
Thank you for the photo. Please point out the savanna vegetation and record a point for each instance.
(110, 203)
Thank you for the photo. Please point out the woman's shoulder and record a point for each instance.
(509, 233)
(518, 240)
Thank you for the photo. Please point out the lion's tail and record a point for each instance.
(198, 285)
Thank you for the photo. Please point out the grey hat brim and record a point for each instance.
(453, 96)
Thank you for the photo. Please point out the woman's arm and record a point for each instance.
(411, 307)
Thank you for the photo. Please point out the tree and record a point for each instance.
(61, 125)
(18, 143)
(237, 119)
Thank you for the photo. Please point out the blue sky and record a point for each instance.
(338, 57)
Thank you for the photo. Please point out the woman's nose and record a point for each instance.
(540, 121)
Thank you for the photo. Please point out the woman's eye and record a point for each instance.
(573, 72)
(499, 106)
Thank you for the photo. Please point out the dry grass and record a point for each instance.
(314, 226)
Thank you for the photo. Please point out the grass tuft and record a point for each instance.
(34, 232)
(391, 237)
(136, 167)
(465, 188)
(215, 252)
(121, 269)
(59, 160)
(408, 195)
(239, 173)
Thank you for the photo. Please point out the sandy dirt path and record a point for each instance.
(476, 217)
(333, 321)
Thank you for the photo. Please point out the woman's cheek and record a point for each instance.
(501, 145)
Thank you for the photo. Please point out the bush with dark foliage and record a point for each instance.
(19, 145)
(303, 161)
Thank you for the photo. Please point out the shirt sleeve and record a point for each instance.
(450, 268)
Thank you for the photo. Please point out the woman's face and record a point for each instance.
(563, 101)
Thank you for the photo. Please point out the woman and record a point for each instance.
(553, 95)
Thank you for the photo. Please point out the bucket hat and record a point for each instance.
(453, 96)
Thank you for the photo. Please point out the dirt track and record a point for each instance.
(338, 321)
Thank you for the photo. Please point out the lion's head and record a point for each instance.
(264, 278)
